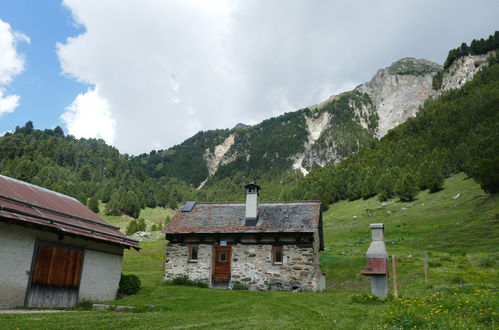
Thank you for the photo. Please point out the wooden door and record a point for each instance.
(221, 264)
(55, 276)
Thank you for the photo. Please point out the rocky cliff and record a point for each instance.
(317, 135)
(399, 90)
(462, 70)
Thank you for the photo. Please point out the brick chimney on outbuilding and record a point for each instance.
(252, 192)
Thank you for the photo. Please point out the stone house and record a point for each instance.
(266, 246)
(54, 251)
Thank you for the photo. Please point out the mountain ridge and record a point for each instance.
(322, 134)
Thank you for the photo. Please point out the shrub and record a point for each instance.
(141, 224)
(365, 298)
(132, 227)
(129, 284)
(434, 264)
(135, 226)
(185, 281)
(457, 280)
(437, 80)
(93, 204)
(85, 305)
(239, 286)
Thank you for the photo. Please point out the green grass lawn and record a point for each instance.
(459, 234)
(151, 216)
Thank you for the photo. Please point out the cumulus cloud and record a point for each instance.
(89, 116)
(8, 103)
(170, 68)
(11, 64)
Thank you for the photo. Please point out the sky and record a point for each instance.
(146, 75)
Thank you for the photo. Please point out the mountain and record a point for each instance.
(355, 144)
(458, 131)
(314, 136)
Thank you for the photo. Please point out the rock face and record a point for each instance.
(463, 70)
(399, 90)
(217, 157)
(315, 127)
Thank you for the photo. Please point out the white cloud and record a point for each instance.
(8, 103)
(11, 64)
(170, 68)
(89, 116)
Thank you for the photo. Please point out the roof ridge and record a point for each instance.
(272, 202)
(38, 187)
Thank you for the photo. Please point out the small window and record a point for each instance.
(193, 252)
(277, 255)
(223, 256)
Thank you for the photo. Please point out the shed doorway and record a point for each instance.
(55, 276)
(222, 256)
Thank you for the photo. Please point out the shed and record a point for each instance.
(54, 251)
(265, 246)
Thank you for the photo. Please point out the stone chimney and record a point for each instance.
(252, 192)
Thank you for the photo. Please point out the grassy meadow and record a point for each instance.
(456, 227)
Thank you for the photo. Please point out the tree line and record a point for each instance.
(87, 169)
(476, 47)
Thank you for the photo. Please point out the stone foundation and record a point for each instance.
(252, 266)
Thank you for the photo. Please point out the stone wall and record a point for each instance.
(252, 265)
(177, 264)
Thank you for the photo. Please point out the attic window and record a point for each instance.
(193, 253)
(277, 255)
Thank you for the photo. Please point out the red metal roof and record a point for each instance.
(24, 203)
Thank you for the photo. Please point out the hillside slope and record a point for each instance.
(315, 136)
(449, 229)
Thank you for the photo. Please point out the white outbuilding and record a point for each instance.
(54, 251)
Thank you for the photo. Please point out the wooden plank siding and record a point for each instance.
(56, 274)
(55, 266)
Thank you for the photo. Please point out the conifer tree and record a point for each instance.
(435, 180)
(406, 187)
(386, 184)
(93, 204)
(368, 187)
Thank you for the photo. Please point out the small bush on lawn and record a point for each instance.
(185, 281)
(85, 305)
(129, 284)
(457, 280)
(239, 286)
(434, 264)
(135, 226)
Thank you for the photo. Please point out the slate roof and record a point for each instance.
(26, 204)
(278, 217)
